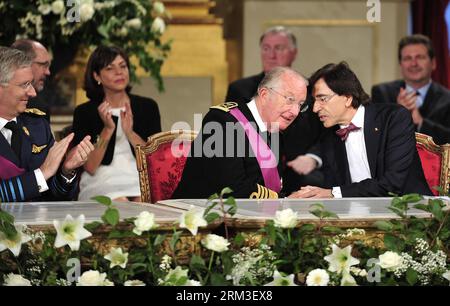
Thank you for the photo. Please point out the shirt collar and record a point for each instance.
(3, 122)
(422, 90)
(255, 113)
(358, 118)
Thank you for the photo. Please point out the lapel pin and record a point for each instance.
(376, 129)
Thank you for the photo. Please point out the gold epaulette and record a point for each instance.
(35, 111)
(264, 193)
(225, 106)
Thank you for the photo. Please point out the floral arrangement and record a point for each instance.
(64, 26)
(410, 251)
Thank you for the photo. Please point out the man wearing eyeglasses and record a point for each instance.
(278, 48)
(32, 165)
(239, 144)
(41, 70)
(369, 149)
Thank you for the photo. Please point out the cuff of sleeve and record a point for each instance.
(316, 158)
(69, 180)
(40, 179)
(337, 193)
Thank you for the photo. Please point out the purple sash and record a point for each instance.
(8, 169)
(264, 155)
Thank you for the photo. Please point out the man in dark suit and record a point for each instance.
(238, 144)
(369, 149)
(428, 101)
(40, 68)
(278, 47)
(32, 165)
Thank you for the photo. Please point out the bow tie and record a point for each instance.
(343, 133)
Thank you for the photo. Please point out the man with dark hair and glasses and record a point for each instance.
(278, 48)
(369, 150)
(40, 67)
(239, 146)
(32, 165)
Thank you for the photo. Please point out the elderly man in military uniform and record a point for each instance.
(32, 165)
(244, 157)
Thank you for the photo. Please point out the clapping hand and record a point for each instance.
(78, 155)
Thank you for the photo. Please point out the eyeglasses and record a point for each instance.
(43, 64)
(324, 98)
(291, 101)
(277, 48)
(24, 86)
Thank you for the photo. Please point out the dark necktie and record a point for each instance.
(343, 133)
(16, 140)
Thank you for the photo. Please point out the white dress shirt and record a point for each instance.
(355, 146)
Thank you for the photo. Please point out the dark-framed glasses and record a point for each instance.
(324, 98)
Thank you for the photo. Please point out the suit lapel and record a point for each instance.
(432, 96)
(371, 137)
(341, 161)
(7, 151)
(26, 143)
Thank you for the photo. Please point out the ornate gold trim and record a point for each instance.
(443, 150)
(151, 146)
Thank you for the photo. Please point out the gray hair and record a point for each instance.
(280, 30)
(273, 77)
(26, 46)
(11, 60)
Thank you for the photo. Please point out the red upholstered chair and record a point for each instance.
(435, 162)
(160, 163)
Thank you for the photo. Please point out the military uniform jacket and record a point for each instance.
(231, 164)
(37, 139)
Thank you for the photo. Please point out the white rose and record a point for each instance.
(144, 222)
(93, 278)
(390, 261)
(317, 277)
(86, 12)
(134, 283)
(58, 7)
(192, 282)
(215, 243)
(16, 280)
(134, 23)
(158, 8)
(45, 9)
(286, 218)
(158, 25)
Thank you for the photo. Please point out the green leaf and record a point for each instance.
(230, 201)
(239, 239)
(332, 229)
(307, 228)
(159, 239)
(315, 206)
(329, 214)
(197, 263)
(384, 225)
(436, 210)
(111, 216)
(211, 217)
(174, 239)
(217, 279)
(421, 207)
(213, 197)
(393, 243)
(102, 200)
(225, 191)
(412, 198)
(411, 276)
(6, 217)
(92, 226)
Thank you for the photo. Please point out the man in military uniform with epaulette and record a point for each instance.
(32, 165)
(238, 145)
